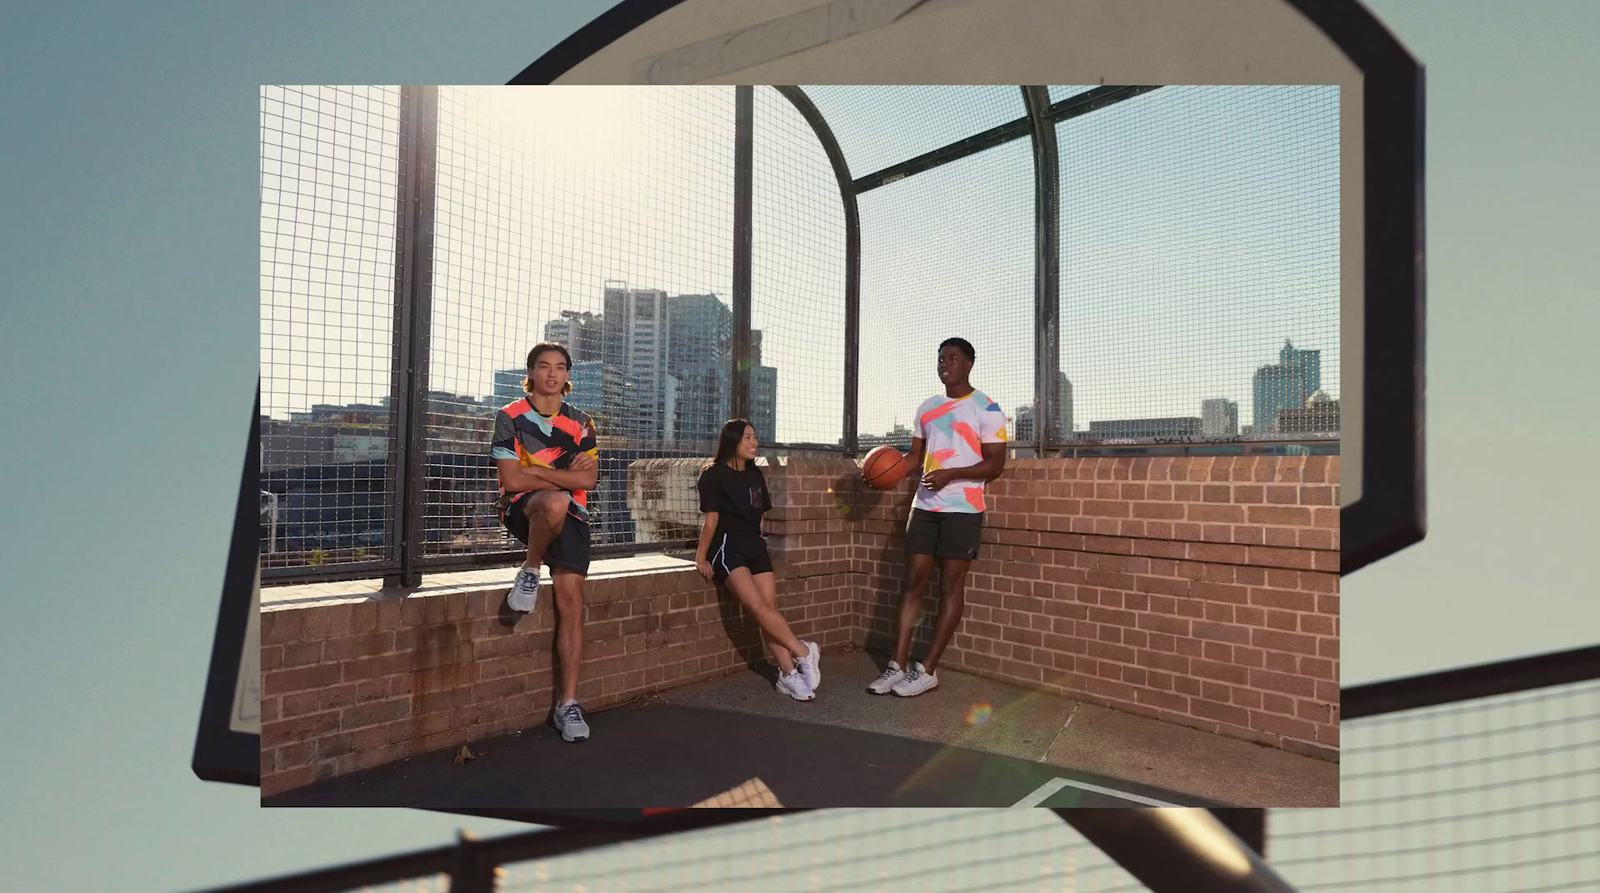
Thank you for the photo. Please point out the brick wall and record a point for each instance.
(350, 686)
(1201, 591)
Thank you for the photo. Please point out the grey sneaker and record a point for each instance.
(568, 720)
(524, 594)
(794, 685)
(810, 666)
(917, 681)
(885, 683)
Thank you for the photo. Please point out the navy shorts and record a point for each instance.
(569, 550)
(729, 552)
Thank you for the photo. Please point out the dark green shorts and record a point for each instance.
(947, 535)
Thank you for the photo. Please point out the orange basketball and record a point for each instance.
(884, 467)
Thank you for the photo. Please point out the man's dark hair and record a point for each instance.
(962, 345)
(545, 347)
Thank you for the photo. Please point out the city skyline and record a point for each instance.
(1160, 308)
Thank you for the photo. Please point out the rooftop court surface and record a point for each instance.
(972, 742)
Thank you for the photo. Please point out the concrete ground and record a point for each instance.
(973, 742)
(1039, 727)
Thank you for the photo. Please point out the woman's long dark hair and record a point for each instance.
(727, 442)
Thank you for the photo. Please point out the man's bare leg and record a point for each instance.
(953, 575)
(569, 632)
(546, 512)
(918, 569)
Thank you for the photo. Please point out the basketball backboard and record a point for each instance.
(1149, 42)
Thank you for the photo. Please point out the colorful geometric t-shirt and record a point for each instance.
(533, 438)
(954, 432)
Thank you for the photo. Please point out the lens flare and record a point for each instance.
(979, 714)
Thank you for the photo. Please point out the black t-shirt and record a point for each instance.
(738, 497)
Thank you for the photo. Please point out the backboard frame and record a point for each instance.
(1388, 515)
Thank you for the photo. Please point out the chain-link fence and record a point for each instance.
(1159, 265)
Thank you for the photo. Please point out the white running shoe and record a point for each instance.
(568, 720)
(524, 594)
(810, 666)
(917, 681)
(794, 685)
(885, 683)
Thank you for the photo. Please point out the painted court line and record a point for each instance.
(1049, 788)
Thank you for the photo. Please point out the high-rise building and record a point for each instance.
(1219, 417)
(699, 352)
(634, 347)
(508, 386)
(580, 333)
(1286, 385)
(588, 388)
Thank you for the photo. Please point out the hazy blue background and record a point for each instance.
(129, 301)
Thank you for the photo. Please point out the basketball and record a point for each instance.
(884, 467)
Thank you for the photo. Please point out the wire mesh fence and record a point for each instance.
(1200, 266)
(1495, 795)
(797, 292)
(599, 218)
(1198, 298)
(928, 274)
(329, 175)
(926, 851)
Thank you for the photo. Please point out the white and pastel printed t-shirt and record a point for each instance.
(954, 431)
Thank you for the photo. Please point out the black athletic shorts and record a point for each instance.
(569, 550)
(729, 552)
(949, 535)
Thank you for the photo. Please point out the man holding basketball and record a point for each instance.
(959, 440)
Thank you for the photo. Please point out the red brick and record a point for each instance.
(298, 728)
(1283, 621)
(1220, 671)
(1283, 682)
(1283, 641)
(1220, 712)
(282, 625)
(1279, 515)
(314, 677)
(351, 647)
(375, 667)
(1283, 558)
(1163, 700)
(1172, 625)
(374, 713)
(302, 654)
(1282, 662)
(1222, 632)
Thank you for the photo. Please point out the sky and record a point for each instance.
(131, 281)
(1199, 230)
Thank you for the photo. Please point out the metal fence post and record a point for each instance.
(850, 438)
(1047, 268)
(471, 871)
(743, 213)
(413, 304)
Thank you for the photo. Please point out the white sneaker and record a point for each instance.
(568, 720)
(885, 683)
(524, 594)
(794, 685)
(810, 666)
(917, 681)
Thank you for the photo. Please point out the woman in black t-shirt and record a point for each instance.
(733, 552)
